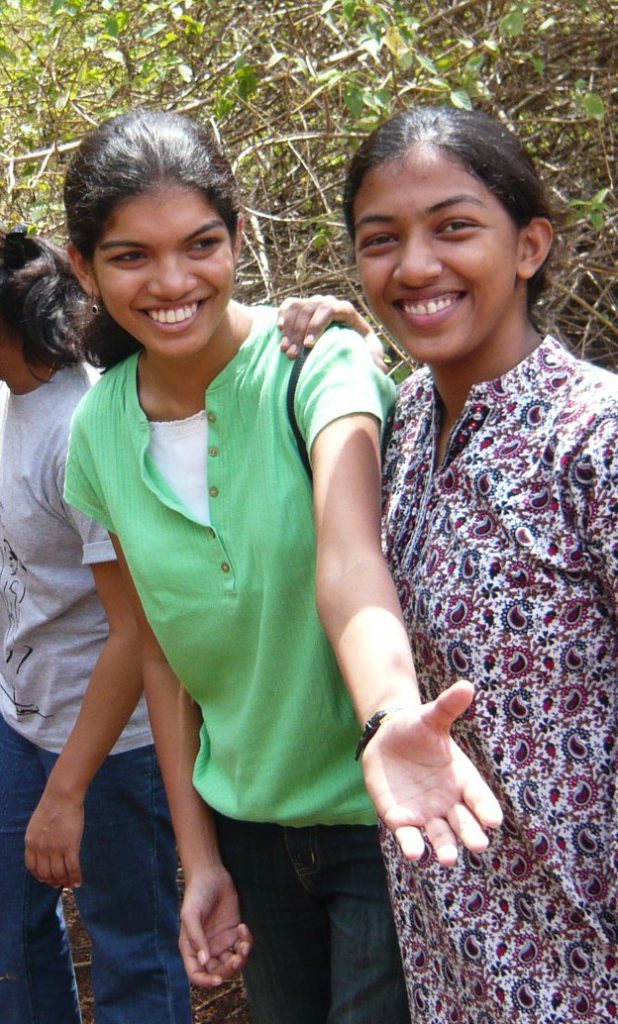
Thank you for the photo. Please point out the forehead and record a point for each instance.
(423, 177)
(169, 209)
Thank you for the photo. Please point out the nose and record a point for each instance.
(418, 263)
(172, 278)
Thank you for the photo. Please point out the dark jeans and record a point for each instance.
(316, 901)
(128, 902)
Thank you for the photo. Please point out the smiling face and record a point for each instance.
(164, 269)
(444, 267)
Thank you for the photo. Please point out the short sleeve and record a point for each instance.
(338, 379)
(82, 487)
(96, 543)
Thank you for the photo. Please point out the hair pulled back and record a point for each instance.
(133, 154)
(41, 301)
(478, 142)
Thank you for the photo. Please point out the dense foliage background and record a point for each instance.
(290, 86)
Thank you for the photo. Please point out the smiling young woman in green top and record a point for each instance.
(185, 452)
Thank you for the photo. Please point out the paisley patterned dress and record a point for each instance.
(506, 562)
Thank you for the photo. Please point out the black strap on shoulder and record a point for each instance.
(299, 362)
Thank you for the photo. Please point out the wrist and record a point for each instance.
(66, 783)
(373, 724)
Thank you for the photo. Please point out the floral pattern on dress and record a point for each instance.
(506, 563)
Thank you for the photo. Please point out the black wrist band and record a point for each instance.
(372, 725)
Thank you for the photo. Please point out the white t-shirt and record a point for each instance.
(52, 624)
(178, 448)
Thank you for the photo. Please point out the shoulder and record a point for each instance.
(106, 394)
(343, 351)
(414, 394)
(417, 387)
(582, 398)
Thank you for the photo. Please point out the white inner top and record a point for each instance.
(179, 450)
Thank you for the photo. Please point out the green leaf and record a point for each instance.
(116, 55)
(513, 23)
(62, 100)
(395, 42)
(461, 99)
(593, 105)
(354, 101)
(185, 72)
(426, 63)
(7, 55)
(154, 30)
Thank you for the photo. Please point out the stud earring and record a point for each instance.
(96, 309)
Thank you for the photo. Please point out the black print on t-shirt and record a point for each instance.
(13, 590)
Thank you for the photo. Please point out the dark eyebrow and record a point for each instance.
(377, 218)
(453, 201)
(115, 243)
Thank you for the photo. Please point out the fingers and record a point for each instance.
(443, 840)
(73, 871)
(56, 866)
(482, 803)
(208, 969)
(376, 350)
(232, 960)
(462, 827)
(302, 321)
(411, 841)
(195, 960)
(54, 871)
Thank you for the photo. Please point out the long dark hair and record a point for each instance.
(131, 155)
(478, 142)
(41, 301)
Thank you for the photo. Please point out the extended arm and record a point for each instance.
(54, 835)
(213, 941)
(415, 773)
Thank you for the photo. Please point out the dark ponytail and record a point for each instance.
(41, 301)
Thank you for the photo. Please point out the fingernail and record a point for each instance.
(293, 350)
(201, 957)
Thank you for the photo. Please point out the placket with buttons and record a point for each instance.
(214, 480)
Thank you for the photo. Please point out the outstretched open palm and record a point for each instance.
(419, 778)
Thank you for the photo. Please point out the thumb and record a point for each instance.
(196, 936)
(452, 703)
(73, 870)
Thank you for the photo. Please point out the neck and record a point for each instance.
(454, 382)
(173, 389)
(22, 377)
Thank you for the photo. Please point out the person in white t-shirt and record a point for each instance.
(79, 779)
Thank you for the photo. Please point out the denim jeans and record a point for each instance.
(128, 902)
(325, 949)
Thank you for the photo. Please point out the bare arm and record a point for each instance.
(415, 773)
(214, 942)
(54, 835)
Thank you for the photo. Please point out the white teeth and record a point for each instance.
(172, 316)
(431, 306)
